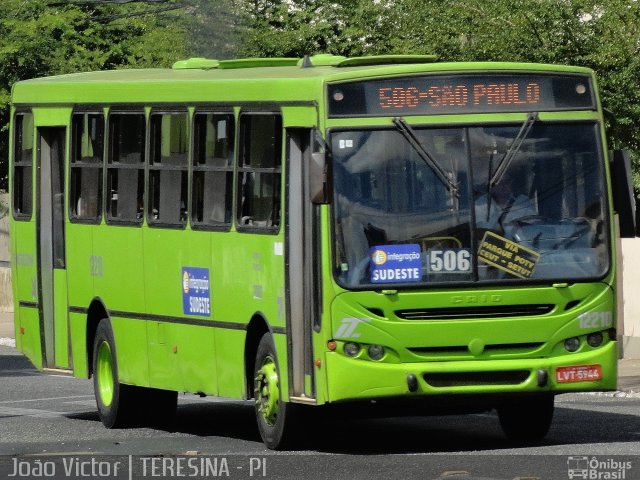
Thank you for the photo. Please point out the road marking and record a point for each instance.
(615, 394)
(20, 373)
(46, 399)
(90, 402)
(30, 412)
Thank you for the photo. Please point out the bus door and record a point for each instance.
(52, 282)
(302, 278)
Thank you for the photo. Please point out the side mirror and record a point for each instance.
(318, 184)
(623, 198)
(319, 188)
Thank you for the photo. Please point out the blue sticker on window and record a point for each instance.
(396, 263)
(196, 297)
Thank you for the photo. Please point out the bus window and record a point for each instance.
(167, 202)
(23, 166)
(85, 185)
(125, 170)
(259, 171)
(212, 169)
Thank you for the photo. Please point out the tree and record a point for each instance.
(299, 27)
(43, 38)
(213, 27)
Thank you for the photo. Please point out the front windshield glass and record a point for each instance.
(499, 205)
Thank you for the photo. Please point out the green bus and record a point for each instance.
(387, 230)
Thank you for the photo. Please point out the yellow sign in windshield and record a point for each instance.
(508, 256)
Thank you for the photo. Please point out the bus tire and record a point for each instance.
(272, 414)
(527, 419)
(114, 400)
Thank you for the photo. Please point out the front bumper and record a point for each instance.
(353, 379)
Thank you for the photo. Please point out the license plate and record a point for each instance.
(579, 373)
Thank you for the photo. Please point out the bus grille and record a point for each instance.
(496, 349)
(494, 311)
(469, 379)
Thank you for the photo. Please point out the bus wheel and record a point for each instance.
(527, 419)
(271, 411)
(112, 397)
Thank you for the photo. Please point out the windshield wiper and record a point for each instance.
(513, 149)
(410, 135)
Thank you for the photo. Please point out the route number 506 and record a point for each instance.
(449, 261)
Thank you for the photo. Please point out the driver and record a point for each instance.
(501, 206)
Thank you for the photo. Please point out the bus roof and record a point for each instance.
(243, 80)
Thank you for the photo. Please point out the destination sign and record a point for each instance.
(508, 256)
(446, 94)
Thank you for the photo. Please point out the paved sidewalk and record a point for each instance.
(628, 369)
(629, 375)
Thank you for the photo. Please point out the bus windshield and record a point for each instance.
(501, 204)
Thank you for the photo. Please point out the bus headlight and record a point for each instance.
(595, 339)
(376, 352)
(572, 344)
(351, 349)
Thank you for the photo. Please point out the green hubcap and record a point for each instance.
(104, 373)
(267, 391)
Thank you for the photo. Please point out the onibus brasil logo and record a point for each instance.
(596, 469)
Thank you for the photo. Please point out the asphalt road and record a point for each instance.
(50, 418)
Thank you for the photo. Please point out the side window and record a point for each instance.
(22, 166)
(168, 174)
(259, 167)
(125, 169)
(212, 170)
(85, 185)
